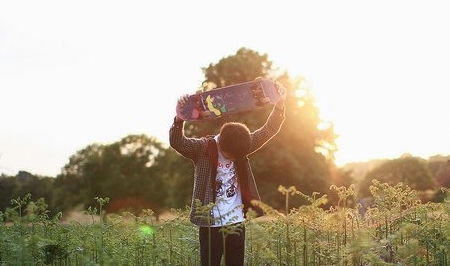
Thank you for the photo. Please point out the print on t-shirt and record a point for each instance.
(229, 187)
(219, 188)
(231, 191)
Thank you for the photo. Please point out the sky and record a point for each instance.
(73, 73)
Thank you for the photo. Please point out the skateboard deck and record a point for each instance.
(229, 100)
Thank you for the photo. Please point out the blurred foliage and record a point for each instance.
(26, 183)
(397, 230)
(135, 173)
(411, 171)
(440, 168)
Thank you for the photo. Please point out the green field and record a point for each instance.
(396, 230)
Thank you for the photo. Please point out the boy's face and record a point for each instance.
(225, 154)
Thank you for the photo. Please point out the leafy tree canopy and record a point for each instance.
(411, 171)
(301, 154)
(128, 172)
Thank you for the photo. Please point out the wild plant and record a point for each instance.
(397, 229)
(308, 219)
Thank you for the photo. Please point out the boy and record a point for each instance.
(222, 175)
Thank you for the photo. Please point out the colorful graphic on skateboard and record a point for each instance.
(229, 100)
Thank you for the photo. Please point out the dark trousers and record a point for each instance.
(234, 247)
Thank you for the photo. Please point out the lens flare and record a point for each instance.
(146, 230)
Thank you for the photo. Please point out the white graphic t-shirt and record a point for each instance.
(228, 194)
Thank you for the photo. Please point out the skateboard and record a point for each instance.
(229, 100)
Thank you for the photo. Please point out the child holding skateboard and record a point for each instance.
(222, 175)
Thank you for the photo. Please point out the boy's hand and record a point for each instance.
(183, 99)
(282, 91)
(180, 103)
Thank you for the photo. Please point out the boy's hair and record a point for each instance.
(234, 139)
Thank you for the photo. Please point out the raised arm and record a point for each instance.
(188, 147)
(272, 126)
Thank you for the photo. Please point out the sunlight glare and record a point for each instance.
(146, 230)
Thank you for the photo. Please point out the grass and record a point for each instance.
(396, 230)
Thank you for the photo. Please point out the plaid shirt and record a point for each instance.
(196, 149)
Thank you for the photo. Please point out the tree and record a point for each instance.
(244, 66)
(127, 171)
(8, 190)
(12, 187)
(301, 154)
(411, 171)
(440, 168)
(178, 181)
